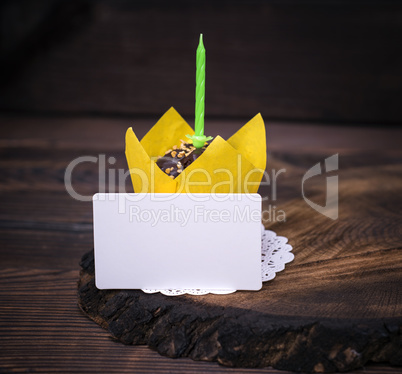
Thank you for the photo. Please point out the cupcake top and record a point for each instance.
(158, 165)
(177, 158)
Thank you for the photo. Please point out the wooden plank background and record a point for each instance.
(333, 61)
(44, 232)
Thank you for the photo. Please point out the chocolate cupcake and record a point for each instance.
(177, 159)
(162, 163)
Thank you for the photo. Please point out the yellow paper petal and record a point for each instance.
(235, 166)
(250, 141)
(145, 174)
(166, 133)
(220, 169)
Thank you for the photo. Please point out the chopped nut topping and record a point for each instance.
(186, 153)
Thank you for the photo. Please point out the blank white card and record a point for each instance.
(165, 241)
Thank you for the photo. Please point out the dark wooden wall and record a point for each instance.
(330, 61)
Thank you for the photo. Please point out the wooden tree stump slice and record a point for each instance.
(237, 330)
(335, 308)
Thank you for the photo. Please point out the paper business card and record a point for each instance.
(165, 241)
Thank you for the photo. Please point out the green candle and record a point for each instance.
(199, 138)
(200, 89)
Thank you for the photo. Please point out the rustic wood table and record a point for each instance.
(348, 269)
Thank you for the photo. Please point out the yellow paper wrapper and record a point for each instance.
(235, 165)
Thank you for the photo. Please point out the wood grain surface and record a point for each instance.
(44, 233)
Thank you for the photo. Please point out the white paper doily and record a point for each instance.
(275, 253)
